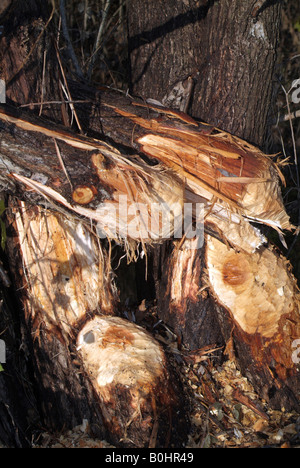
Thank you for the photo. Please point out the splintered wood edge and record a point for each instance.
(59, 294)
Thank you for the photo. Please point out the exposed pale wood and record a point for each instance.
(61, 276)
(130, 374)
(64, 268)
(257, 289)
(263, 303)
(115, 187)
(109, 175)
(59, 270)
(67, 281)
(199, 158)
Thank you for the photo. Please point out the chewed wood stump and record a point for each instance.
(129, 373)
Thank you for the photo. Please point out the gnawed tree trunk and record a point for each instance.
(28, 71)
(262, 298)
(229, 202)
(203, 58)
(130, 374)
(221, 73)
(67, 297)
(58, 275)
(62, 274)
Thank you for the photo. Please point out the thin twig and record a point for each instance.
(85, 16)
(292, 135)
(43, 83)
(296, 165)
(62, 163)
(99, 37)
(67, 92)
(44, 103)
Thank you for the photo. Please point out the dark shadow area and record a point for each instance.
(18, 411)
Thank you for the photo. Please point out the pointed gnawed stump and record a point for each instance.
(129, 372)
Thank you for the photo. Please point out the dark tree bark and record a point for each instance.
(228, 53)
(29, 65)
(238, 56)
(22, 39)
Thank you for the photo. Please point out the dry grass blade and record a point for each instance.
(62, 163)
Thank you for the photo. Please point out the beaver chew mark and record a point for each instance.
(235, 271)
(117, 336)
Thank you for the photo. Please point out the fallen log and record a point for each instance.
(234, 182)
(90, 178)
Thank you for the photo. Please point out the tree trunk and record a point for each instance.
(26, 80)
(229, 52)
